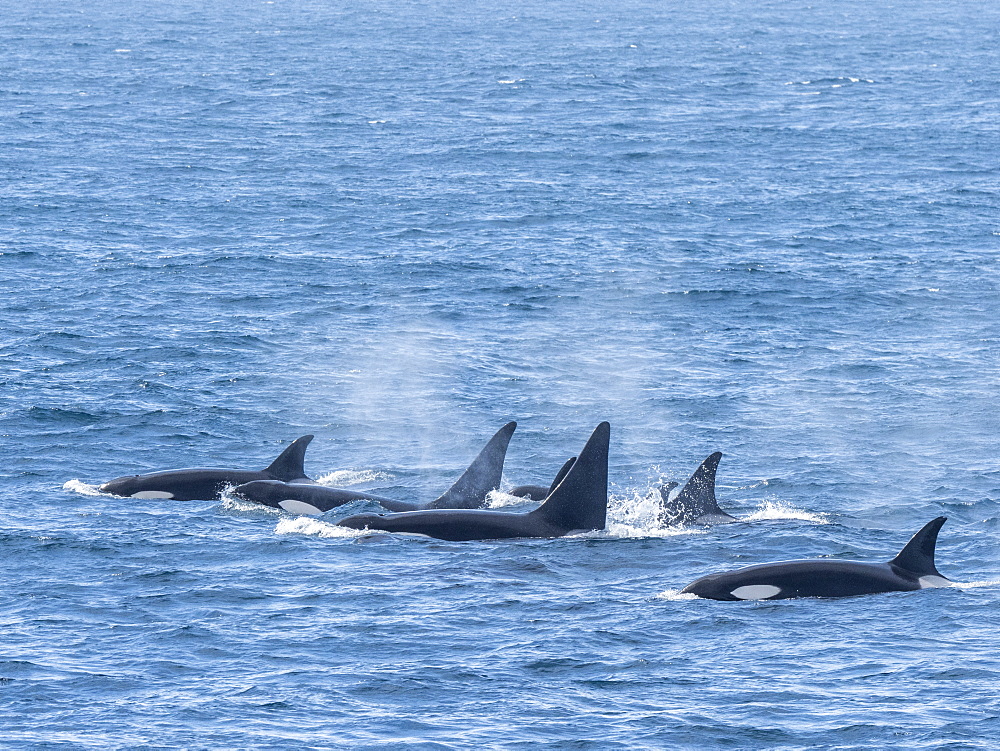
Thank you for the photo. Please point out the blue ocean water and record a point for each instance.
(765, 228)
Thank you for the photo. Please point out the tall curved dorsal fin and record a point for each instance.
(290, 463)
(482, 476)
(697, 497)
(917, 556)
(580, 501)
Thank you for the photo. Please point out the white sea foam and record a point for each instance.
(977, 584)
(623, 531)
(83, 488)
(675, 594)
(343, 478)
(833, 83)
(779, 510)
(304, 525)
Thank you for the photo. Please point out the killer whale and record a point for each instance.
(696, 503)
(578, 503)
(540, 492)
(201, 484)
(913, 568)
(300, 498)
(469, 491)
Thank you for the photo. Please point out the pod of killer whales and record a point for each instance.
(575, 501)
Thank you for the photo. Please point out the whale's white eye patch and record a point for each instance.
(756, 591)
(928, 582)
(149, 494)
(298, 507)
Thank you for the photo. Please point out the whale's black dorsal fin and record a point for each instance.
(696, 501)
(917, 556)
(580, 501)
(560, 475)
(290, 463)
(482, 476)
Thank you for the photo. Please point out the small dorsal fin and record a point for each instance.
(580, 501)
(917, 556)
(482, 476)
(290, 463)
(697, 497)
(666, 489)
(560, 475)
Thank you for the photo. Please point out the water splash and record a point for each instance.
(343, 478)
(977, 584)
(83, 488)
(638, 514)
(302, 525)
(675, 595)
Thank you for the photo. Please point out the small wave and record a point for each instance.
(54, 415)
(833, 82)
(83, 488)
(235, 505)
(976, 584)
(302, 525)
(675, 594)
(625, 531)
(759, 484)
(777, 510)
(343, 478)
